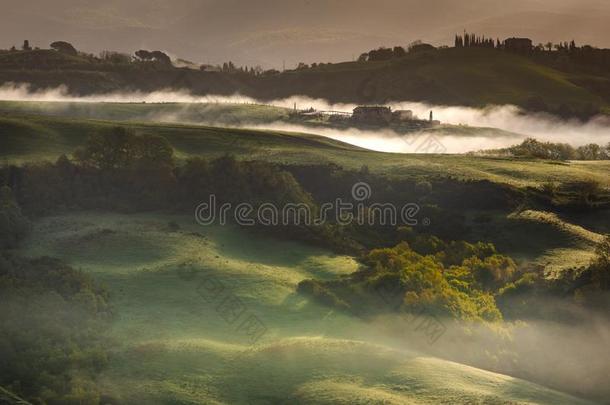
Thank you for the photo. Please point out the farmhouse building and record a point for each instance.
(518, 44)
(372, 115)
(403, 115)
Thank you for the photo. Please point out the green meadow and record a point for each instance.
(174, 345)
(176, 340)
(29, 137)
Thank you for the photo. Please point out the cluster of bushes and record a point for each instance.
(393, 53)
(51, 324)
(462, 280)
(456, 279)
(567, 56)
(533, 148)
(156, 56)
(119, 170)
(51, 331)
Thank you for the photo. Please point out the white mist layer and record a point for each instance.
(508, 118)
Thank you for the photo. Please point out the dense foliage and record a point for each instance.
(51, 322)
(532, 148)
(456, 279)
(465, 281)
(120, 170)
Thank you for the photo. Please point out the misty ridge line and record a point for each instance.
(509, 118)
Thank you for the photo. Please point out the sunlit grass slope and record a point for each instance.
(29, 138)
(218, 113)
(555, 242)
(466, 76)
(174, 344)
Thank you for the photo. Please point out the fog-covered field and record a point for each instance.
(466, 129)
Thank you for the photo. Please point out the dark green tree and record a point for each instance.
(64, 47)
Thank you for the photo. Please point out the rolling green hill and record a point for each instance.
(29, 138)
(219, 114)
(176, 347)
(469, 76)
(174, 343)
(453, 76)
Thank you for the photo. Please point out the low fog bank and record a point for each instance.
(571, 357)
(510, 119)
(386, 140)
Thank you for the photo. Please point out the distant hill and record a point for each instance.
(269, 32)
(452, 76)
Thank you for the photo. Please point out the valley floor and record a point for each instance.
(181, 297)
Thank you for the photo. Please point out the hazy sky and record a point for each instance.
(268, 32)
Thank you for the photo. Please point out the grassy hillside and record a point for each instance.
(468, 76)
(465, 76)
(554, 242)
(220, 114)
(29, 138)
(177, 343)
(176, 347)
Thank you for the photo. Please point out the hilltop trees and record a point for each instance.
(115, 57)
(472, 40)
(399, 52)
(562, 55)
(383, 54)
(144, 55)
(161, 57)
(64, 47)
(157, 56)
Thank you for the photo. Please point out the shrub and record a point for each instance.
(52, 343)
(413, 282)
(13, 225)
